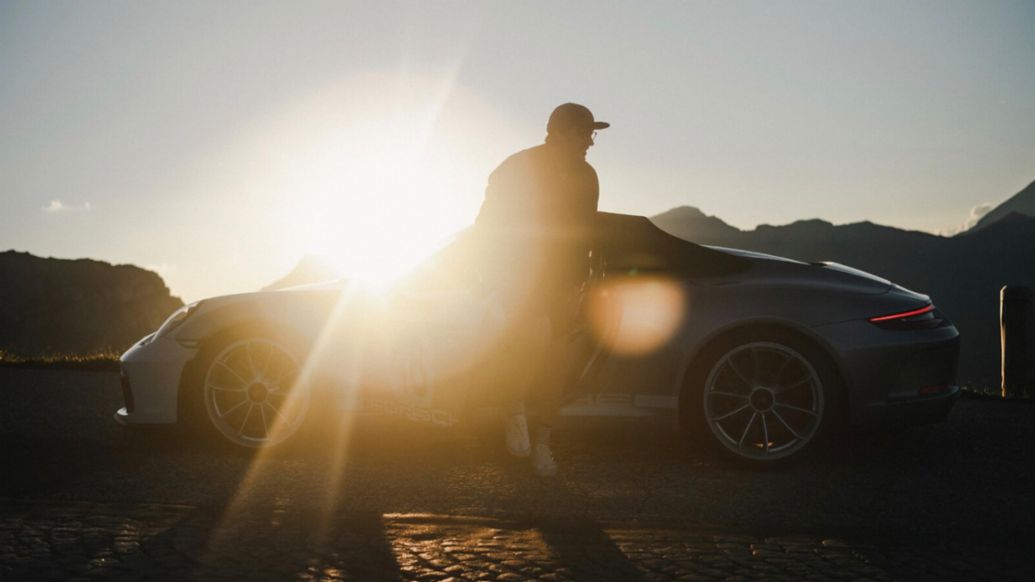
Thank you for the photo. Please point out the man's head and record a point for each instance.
(572, 128)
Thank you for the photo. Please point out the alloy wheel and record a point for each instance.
(763, 401)
(251, 395)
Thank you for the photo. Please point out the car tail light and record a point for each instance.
(931, 390)
(921, 318)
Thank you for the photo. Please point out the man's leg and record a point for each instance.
(547, 394)
(517, 370)
(515, 429)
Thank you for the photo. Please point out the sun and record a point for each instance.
(373, 183)
(373, 243)
(368, 172)
(380, 221)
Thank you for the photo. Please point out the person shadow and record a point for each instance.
(584, 549)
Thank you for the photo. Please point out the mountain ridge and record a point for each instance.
(1022, 202)
(55, 306)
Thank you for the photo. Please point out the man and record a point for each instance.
(539, 205)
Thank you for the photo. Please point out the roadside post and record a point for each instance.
(1017, 341)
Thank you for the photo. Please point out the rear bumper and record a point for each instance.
(896, 377)
(905, 413)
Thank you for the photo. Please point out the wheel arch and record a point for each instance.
(219, 336)
(700, 354)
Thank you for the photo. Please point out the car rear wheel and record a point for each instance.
(252, 394)
(763, 400)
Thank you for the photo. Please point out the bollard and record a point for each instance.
(1017, 341)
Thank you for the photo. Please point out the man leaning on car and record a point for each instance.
(538, 206)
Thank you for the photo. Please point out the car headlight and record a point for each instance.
(177, 318)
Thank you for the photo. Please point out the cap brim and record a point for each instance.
(601, 125)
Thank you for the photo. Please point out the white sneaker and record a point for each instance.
(515, 426)
(542, 461)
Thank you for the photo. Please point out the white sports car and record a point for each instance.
(759, 356)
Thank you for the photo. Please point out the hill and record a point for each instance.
(1022, 202)
(309, 269)
(56, 306)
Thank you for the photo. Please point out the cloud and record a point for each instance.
(980, 210)
(975, 215)
(57, 206)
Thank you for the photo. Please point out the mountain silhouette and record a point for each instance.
(60, 306)
(309, 269)
(1022, 202)
(688, 217)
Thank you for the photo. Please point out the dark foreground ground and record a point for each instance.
(83, 498)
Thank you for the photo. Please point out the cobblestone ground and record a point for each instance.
(81, 498)
(69, 541)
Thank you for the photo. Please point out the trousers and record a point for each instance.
(534, 365)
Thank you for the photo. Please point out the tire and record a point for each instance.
(762, 399)
(247, 392)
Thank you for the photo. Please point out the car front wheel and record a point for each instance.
(252, 394)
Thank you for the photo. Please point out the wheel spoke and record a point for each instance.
(266, 361)
(251, 361)
(729, 414)
(276, 411)
(799, 409)
(743, 435)
(275, 382)
(277, 388)
(246, 417)
(786, 424)
(795, 384)
(233, 371)
(765, 433)
(738, 373)
(224, 388)
(787, 359)
(265, 427)
(233, 408)
(729, 394)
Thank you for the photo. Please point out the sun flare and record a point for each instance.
(371, 181)
(377, 207)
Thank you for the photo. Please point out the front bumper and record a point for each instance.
(151, 372)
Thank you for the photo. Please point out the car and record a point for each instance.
(760, 358)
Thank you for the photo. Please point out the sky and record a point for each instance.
(219, 142)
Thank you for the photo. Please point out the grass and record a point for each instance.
(104, 361)
(972, 390)
(994, 392)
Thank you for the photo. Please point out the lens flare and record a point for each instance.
(635, 316)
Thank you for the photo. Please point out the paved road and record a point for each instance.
(387, 500)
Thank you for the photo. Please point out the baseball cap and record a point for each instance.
(573, 116)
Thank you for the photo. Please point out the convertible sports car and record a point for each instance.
(760, 357)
